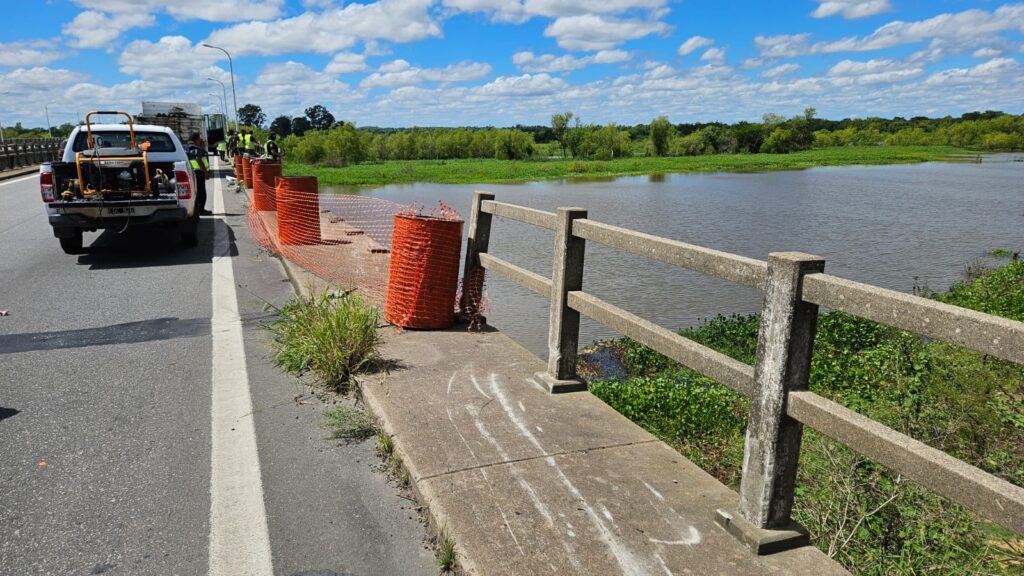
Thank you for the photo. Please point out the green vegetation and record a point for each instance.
(504, 171)
(348, 423)
(329, 336)
(869, 518)
(445, 551)
(392, 461)
(316, 144)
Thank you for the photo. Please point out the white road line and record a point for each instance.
(239, 537)
(31, 176)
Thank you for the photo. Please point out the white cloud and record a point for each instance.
(780, 70)
(525, 85)
(93, 29)
(611, 56)
(25, 81)
(214, 11)
(993, 71)
(694, 43)
(518, 11)
(30, 53)
(346, 62)
(957, 29)
(171, 58)
(986, 53)
(713, 55)
(851, 9)
(332, 30)
(593, 32)
(401, 73)
(527, 61)
(876, 71)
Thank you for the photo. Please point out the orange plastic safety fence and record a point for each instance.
(247, 171)
(264, 181)
(424, 273)
(344, 239)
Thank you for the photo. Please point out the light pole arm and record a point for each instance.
(231, 67)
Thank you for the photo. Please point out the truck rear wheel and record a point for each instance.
(188, 229)
(72, 244)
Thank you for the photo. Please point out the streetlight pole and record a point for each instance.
(2, 139)
(46, 108)
(231, 67)
(224, 99)
(223, 107)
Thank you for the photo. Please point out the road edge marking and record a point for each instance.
(239, 534)
(16, 180)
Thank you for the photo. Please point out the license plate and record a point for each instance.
(118, 211)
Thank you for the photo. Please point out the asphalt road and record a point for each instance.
(106, 372)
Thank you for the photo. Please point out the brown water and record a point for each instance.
(893, 226)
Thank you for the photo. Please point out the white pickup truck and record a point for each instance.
(119, 175)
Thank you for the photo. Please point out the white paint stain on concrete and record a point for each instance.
(626, 559)
(655, 492)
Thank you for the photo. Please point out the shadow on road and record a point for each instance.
(151, 246)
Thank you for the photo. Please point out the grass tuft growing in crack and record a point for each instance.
(385, 445)
(445, 551)
(348, 423)
(331, 337)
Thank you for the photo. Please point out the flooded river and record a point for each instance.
(894, 226)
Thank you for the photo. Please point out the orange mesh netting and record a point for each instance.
(298, 210)
(424, 274)
(264, 178)
(247, 171)
(345, 239)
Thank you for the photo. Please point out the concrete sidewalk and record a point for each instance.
(528, 483)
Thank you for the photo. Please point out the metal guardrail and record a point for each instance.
(28, 152)
(795, 285)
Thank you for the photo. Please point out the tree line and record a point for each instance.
(319, 138)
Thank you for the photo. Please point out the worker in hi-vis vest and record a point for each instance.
(201, 166)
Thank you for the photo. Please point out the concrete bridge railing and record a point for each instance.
(28, 152)
(794, 285)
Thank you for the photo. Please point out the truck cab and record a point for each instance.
(112, 176)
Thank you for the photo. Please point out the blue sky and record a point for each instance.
(505, 62)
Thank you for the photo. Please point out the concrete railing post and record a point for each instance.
(477, 241)
(564, 323)
(784, 346)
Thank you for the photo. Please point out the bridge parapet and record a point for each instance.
(795, 285)
(16, 153)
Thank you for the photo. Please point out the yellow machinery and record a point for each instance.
(94, 161)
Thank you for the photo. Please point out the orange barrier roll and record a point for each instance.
(424, 274)
(239, 177)
(247, 171)
(298, 210)
(264, 180)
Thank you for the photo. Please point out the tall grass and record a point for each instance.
(329, 337)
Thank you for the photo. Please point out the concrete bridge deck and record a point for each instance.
(532, 483)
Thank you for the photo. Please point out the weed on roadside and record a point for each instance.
(331, 337)
(385, 445)
(348, 423)
(445, 551)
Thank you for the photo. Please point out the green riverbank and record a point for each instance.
(473, 171)
(867, 517)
